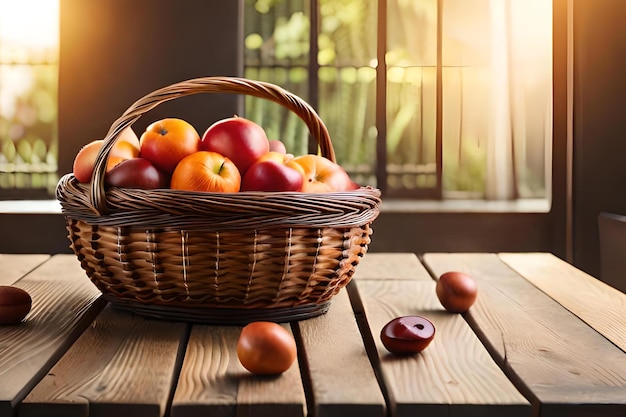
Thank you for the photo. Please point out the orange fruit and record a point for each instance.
(206, 171)
(166, 142)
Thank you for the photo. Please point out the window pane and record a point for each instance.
(411, 128)
(411, 33)
(277, 51)
(411, 96)
(497, 107)
(28, 98)
(276, 33)
(347, 33)
(28, 113)
(279, 122)
(464, 130)
(531, 72)
(347, 98)
(347, 83)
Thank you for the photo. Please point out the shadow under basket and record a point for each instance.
(219, 258)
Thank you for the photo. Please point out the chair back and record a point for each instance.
(612, 233)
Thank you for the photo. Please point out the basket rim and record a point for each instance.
(167, 208)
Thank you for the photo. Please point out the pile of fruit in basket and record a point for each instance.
(233, 154)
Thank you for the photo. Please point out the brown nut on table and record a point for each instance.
(15, 304)
(456, 291)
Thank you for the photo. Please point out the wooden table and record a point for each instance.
(543, 339)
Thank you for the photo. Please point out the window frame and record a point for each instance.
(381, 171)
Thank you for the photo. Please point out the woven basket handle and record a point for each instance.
(231, 85)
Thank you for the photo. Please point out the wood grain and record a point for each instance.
(561, 364)
(390, 266)
(596, 303)
(64, 303)
(343, 382)
(122, 364)
(454, 375)
(213, 382)
(14, 267)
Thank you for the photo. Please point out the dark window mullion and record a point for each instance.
(381, 97)
(313, 64)
(439, 102)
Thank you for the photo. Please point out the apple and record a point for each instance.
(136, 173)
(321, 175)
(166, 142)
(15, 304)
(277, 146)
(128, 135)
(280, 158)
(238, 139)
(266, 348)
(273, 156)
(456, 291)
(407, 334)
(269, 175)
(206, 171)
(126, 147)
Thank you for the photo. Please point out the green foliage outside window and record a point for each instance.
(28, 132)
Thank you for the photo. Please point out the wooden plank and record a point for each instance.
(123, 364)
(596, 303)
(453, 376)
(343, 382)
(561, 364)
(213, 382)
(14, 267)
(64, 303)
(391, 266)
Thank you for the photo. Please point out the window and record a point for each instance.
(28, 98)
(423, 98)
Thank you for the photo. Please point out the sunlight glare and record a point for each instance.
(32, 24)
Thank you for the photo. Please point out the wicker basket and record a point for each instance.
(217, 257)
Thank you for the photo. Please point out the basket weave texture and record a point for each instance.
(220, 257)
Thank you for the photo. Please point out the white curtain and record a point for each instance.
(499, 181)
(519, 120)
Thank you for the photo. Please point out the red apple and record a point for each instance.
(270, 175)
(236, 138)
(277, 146)
(321, 175)
(407, 334)
(136, 173)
